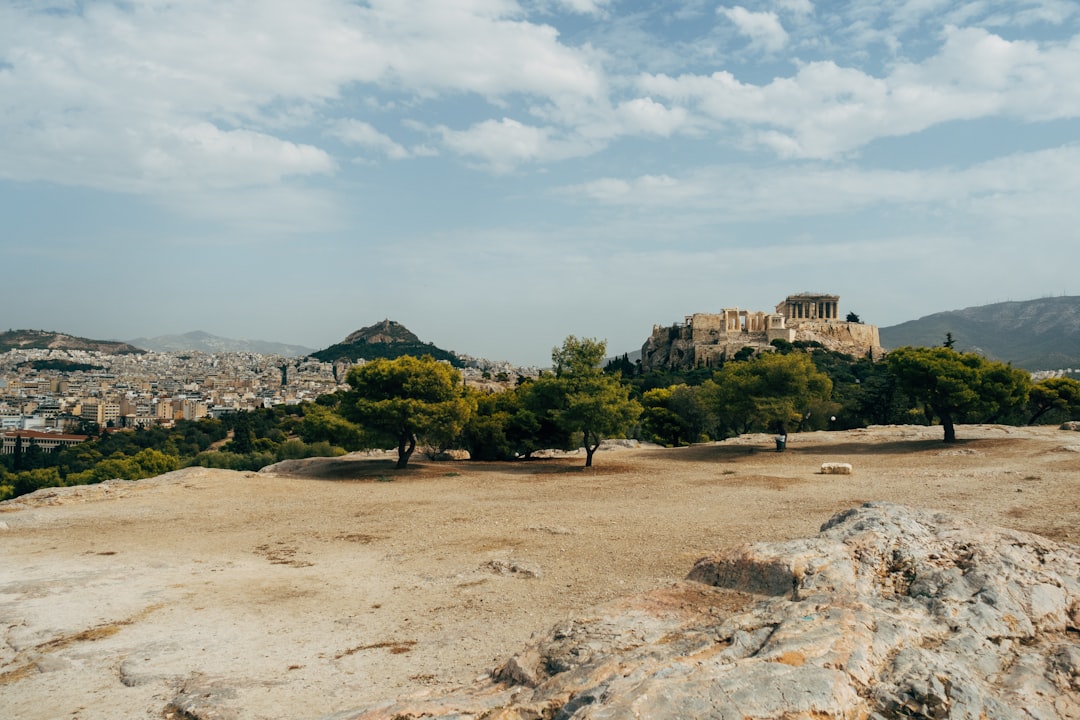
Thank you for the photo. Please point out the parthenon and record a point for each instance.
(808, 306)
(707, 339)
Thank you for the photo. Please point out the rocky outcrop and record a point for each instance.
(387, 339)
(887, 613)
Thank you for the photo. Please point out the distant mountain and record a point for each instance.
(200, 341)
(47, 340)
(387, 339)
(1039, 334)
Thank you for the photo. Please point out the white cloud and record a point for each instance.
(157, 157)
(477, 47)
(584, 7)
(119, 90)
(825, 110)
(763, 28)
(1032, 185)
(356, 132)
(646, 116)
(501, 144)
(228, 158)
(798, 7)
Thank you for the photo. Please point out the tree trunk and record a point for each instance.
(1042, 411)
(406, 445)
(590, 448)
(947, 424)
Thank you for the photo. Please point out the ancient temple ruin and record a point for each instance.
(707, 339)
(808, 306)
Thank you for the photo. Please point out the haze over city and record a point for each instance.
(496, 175)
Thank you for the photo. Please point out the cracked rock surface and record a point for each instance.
(888, 613)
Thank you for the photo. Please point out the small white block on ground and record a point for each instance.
(835, 468)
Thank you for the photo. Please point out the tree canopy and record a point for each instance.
(958, 386)
(590, 402)
(1056, 393)
(675, 414)
(771, 388)
(401, 401)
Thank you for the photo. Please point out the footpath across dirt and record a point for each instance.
(331, 584)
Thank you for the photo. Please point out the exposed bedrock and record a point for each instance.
(889, 612)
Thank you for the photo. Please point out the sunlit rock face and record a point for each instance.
(888, 612)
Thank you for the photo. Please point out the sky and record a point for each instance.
(497, 175)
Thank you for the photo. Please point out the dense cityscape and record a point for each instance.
(66, 390)
(58, 397)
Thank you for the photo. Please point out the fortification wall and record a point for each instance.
(706, 339)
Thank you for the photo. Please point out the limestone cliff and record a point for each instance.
(707, 339)
(689, 345)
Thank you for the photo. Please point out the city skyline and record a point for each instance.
(496, 174)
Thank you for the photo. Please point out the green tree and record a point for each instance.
(538, 424)
(405, 400)
(877, 399)
(592, 403)
(28, 481)
(957, 386)
(769, 389)
(675, 414)
(1058, 393)
(488, 434)
(243, 441)
(321, 424)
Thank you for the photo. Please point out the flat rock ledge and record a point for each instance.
(888, 613)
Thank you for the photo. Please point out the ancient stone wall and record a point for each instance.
(706, 339)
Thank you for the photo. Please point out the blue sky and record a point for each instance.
(499, 174)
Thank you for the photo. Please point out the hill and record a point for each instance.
(1041, 334)
(387, 339)
(47, 340)
(312, 590)
(205, 342)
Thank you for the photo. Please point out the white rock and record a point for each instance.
(887, 613)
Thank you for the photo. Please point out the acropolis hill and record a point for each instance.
(706, 339)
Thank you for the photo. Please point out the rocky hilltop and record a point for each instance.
(47, 340)
(887, 613)
(386, 339)
(709, 339)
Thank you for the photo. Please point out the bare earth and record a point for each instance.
(343, 583)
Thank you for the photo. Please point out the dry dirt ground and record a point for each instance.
(329, 585)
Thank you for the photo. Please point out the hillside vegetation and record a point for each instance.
(1041, 334)
(48, 340)
(387, 339)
